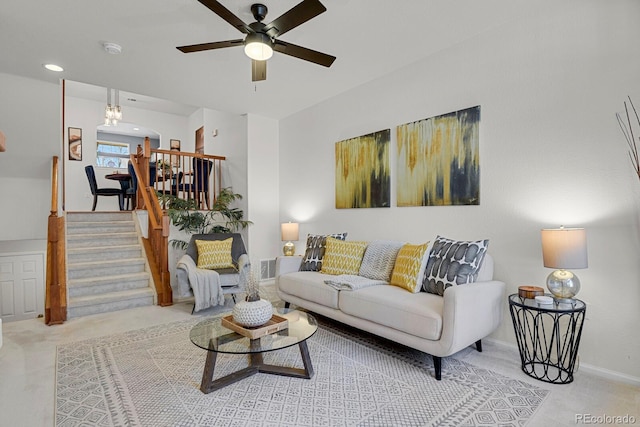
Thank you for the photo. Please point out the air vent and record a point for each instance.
(267, 269)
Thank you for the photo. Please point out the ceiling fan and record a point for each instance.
(261, 39)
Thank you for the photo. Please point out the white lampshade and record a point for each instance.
(564, 248)
(289, 231)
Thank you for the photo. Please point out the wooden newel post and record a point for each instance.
(55, 310)
(167, 292)
(55, 304)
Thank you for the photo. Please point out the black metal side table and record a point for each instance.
(548, 337)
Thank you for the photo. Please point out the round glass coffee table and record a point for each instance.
(212, 336)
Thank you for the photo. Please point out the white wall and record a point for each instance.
(551, 153)
(87, 115)
(30, 119)
(262, 197)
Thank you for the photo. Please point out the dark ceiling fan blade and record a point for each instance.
(227, 15)
(295, 16)
(304, 53)
(208, 46)
(258, 70)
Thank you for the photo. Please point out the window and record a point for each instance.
(112, 155)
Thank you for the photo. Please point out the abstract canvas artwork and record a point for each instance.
(438, 160)
(362, 171)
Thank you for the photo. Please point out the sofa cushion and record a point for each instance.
(312, 259)
(453, 263)
(409, 267)
(379, 258)
(342, 257)
(309, 285)
(417, 314)
(214, 254)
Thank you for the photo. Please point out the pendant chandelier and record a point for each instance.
(112, 113)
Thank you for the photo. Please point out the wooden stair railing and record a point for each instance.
(55, 307)
(157, 245)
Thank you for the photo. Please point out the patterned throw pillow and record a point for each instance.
(453, 263)
(312, 259)
(342, 257)
(409, 267)
(379, 259)
(214, 254)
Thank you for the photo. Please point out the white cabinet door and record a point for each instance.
(21, 286)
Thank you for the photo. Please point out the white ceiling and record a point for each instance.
(370, 38)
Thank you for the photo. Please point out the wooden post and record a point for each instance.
(55, 304)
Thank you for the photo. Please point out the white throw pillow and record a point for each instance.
(379, 258)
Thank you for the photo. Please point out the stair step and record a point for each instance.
(106, 268)
(87, 305)
(99, 216)
(101, 239)
(103, 253)
(107, 284)
(83, 270)
(100, 227)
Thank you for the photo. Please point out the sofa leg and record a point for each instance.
(286, 305)
(479, 346)
(437, 364)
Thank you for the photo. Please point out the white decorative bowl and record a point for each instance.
(252, 313)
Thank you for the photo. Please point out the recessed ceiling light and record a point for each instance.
(53, 67)
(136, 128)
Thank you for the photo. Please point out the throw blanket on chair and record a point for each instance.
(205, 284)
(352, 282)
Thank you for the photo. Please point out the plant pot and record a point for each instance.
(252, 313)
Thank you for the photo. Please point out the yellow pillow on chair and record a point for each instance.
(214, 254)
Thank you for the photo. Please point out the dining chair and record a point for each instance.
(91, 176)
(198, 188)
(130, 192)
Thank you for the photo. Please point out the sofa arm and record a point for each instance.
(287, 264)
(470, 313)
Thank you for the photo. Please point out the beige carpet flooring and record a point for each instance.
(27, 369)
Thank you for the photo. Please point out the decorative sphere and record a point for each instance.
(252, 313)
(563, 284)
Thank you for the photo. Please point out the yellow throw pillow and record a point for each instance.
(409, 267)
(342, 257)
(214, 254)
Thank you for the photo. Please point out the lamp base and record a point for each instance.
(563, 285)
(289, 249)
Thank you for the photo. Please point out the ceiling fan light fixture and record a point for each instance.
(258, 46)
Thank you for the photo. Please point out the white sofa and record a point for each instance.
(437, 325)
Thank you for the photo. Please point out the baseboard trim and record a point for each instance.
(590, 369)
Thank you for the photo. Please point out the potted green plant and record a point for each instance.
(222, 218)
(164, 169)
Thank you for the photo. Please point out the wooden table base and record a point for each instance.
(256, 364)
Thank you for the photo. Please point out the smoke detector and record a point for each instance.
(112, 48)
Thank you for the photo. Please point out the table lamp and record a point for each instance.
(564, 248)
(289, 232)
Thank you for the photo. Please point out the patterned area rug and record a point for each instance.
(151, 377)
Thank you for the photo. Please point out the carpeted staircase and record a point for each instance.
(106, 268)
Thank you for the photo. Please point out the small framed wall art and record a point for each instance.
(75, 143)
